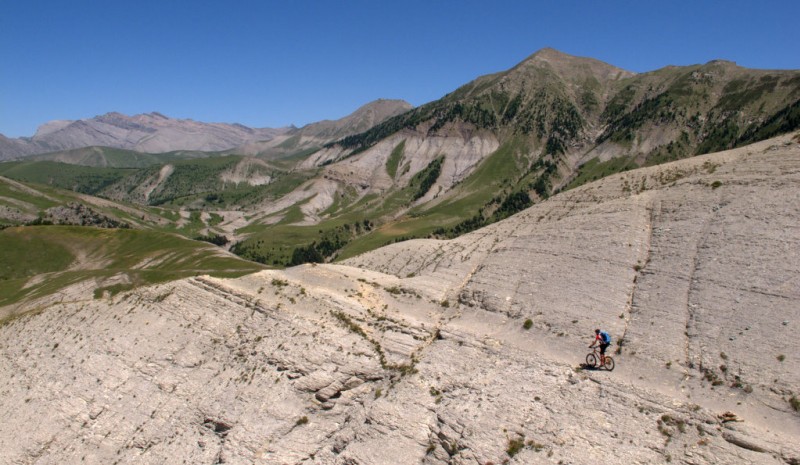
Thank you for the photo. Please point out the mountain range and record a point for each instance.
(156, 133)
(150, 132)
(490, 148)
(566, 103)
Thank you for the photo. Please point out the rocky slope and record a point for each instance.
(151, 132)
(313, 136)
(417, 352)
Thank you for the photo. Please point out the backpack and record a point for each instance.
(606, 337)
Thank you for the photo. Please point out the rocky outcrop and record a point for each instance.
(78, 214)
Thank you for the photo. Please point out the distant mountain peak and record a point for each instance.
(549, 53)
(365, 117)
(51, 127)
(552, 56)
(382, 105)
(567, 65)
(724, 63)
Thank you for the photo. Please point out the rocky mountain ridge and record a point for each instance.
(150, 132)
(154, 133)
(313, 136)
(567, 105)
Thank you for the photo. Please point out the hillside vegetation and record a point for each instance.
(40, 261)
(109, 157)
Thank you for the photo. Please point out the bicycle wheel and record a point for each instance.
(609, 363)
(591, 360)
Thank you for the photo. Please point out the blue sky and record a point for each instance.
(271, 64)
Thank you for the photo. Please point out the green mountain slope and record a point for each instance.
(84, 179)
(36, 261)
(73, 239)
(23, 203)
(572, 105)
(701, 108)
(210, 182)
(108, 157)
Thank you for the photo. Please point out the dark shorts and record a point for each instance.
(603, 348)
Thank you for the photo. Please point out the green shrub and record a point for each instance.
(215, 239)
(528, 324)
(427, 177)
(514, 446)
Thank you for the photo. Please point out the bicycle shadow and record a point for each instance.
(588, 367)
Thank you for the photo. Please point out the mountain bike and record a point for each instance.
(593, 360)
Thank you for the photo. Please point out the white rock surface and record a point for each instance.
(416, 353)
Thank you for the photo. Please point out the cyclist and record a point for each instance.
(604, 339)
